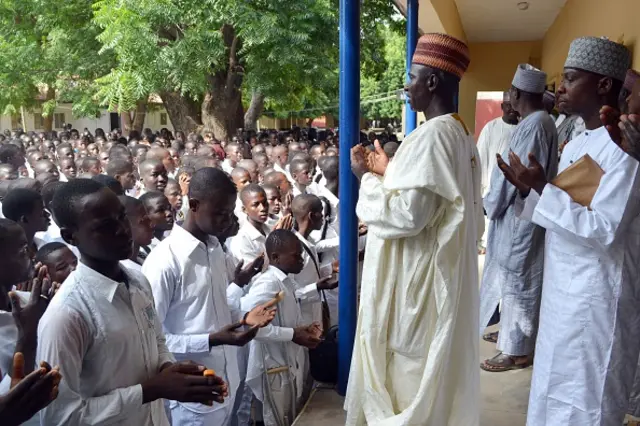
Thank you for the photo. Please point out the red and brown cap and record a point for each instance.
(443, 52)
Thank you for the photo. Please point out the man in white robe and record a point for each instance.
(494, 139)
(587, 348)
(515, 254)
(416, 348)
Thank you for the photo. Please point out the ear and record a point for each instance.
(432, 82)
(23, 219)
(67, 236)
(605, 85)
(193, 204)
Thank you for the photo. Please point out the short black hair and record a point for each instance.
(270, 187)
(209, 182)
(110, 182)
(303, 204)
(8, 230)
(149, 197)
(88, 162)
(118, 165)
(278, 240)
(64, 145)
(65, 204)
(130, 204)
(8, 151)
(252, 188)
(297, 164)
(330, 168)
(147, 165)
(49, 190)
(118, 151)
(25, 183)
(47, 249)
(20, 202)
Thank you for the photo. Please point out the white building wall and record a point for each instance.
(153, 120)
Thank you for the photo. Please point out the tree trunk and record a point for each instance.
(254, 112)
(183, 112)
(139, 116)
(222, 104)
(48, 119)
(125, 119)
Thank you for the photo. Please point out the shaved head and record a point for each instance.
(304, 204)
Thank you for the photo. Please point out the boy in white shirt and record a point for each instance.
(188, 276)
(277, 355)
(248, 244)
(102, 328)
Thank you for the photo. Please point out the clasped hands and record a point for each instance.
(624, 129)
(364, 160)
(522, 177)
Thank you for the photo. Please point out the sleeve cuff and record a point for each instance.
(134, 396)
(525, 207)
(199, 343)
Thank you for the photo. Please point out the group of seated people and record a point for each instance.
(164, 279)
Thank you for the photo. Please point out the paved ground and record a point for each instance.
(504, 399)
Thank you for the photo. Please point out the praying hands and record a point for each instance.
(522, 177)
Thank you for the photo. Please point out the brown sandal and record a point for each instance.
(502, 362)
(491, 337)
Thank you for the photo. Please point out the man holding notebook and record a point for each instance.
(587, 348)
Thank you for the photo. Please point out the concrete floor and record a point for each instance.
(504, 399)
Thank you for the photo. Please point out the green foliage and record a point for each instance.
(393, 78)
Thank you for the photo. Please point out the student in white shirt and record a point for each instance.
(58, 259)
(26, 207)
(252, 167)
(302, 179)
(141, 230)
(249, 243)
(19, 316)
(277, 356)
(187, 272)
(314, 277)
(241, 178)
(234, 153)
(280, 159)
(102, 328)
(275, 204)
(153, 176)
(121, 169)
(161, 214)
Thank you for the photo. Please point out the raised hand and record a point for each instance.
(378, 160)
(184, 180)
(630, 130)
(307, 336)
(327, 284)
(28, 394)
(287, 199)
(522, 177)
(233, 336)
(610, 118)
(185, 382)
(244, 276)
(358, 161)
(285, 222)
(260, 316)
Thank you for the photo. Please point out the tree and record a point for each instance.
(199, 55)
(48, 50)
(393, 78)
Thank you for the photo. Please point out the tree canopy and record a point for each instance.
(209, 60)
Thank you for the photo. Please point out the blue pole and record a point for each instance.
(410, 116)
(349, 136)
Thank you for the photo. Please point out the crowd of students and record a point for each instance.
(167, 255)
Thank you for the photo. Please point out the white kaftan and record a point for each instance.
(107, 340)
(494, 139)
(515, 250)
(587, 347)
(189, 283)
(273, 348)
(415, 360)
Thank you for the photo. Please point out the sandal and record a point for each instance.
(503, 362)
(491, 337)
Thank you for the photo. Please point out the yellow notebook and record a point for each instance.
(580, 180)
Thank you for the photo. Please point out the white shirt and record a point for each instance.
(249, 243)
(272, 346)
(494, 139)
(51, 235)
(307, 283)
(107, 340)
(239, 212)
(226, 166)
(189, 283)
(128, 263)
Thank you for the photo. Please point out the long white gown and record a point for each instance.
(587, 347)
(415, 360)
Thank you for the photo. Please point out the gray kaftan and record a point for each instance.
(515, 249)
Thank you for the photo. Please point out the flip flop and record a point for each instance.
(502, 362)
(491, 337)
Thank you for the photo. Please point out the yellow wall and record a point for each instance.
(491, 69)
(611, 18)
(447, 13)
